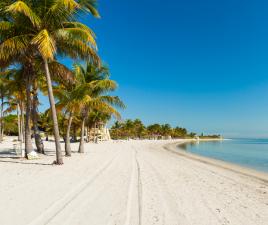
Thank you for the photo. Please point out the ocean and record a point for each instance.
(252, 153)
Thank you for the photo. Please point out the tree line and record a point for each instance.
(135, 129)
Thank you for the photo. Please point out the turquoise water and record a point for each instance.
(252, 153)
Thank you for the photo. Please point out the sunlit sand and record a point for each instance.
(128, 182)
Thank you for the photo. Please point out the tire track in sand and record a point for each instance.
(134, 206)
(60, 204)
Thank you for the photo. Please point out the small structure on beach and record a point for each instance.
(99, 132)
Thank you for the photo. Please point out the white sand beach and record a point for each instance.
(128, 183)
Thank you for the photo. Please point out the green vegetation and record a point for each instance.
(135, 129)
(10, 125)
(33, 35)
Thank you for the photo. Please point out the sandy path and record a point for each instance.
(128, 183)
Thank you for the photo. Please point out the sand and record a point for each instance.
(128, 183)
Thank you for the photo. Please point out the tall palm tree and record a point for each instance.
(69, 100)
(94, 84)
(3, 95)
(60, 73)
(16, 96)
(35, 102)
(83, 95)
(45, 28)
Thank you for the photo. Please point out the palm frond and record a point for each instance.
(79, 25)
(23, 8)
(70, 5)
(101, 86)
(90, 6)
(105, 108)
(13, 46)
(77, 49)
(5, 26)
(45, 44)
(61, 72)
(77, 33)
(113, 100)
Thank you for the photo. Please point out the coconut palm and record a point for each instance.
(46, 29)
(102, 103)
(60, 74)
(35, 102)
(16, 96)
(94, 84)
(83, 95)
(154, 130)
(45, 124)
(70, 100)
(3, 95)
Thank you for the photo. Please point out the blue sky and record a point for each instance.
(198, 64)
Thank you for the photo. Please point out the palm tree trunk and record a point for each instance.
(38, 141)
(91, 133)
(1, 138)
(82, 141)
(74, 134)
(19, 122)
(94, 134)
(28, 141)
(86, 133)
(1, 121)
(59, 159)
(22, 122)
(67, 138)
(87, 138)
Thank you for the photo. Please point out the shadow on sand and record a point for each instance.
(25, 163)
(13, 158)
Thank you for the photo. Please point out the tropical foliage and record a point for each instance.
(135, 129)
(33, 35)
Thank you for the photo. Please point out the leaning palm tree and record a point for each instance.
(46, 29)
(79, 97)
(62, 76)
(18, 83)
(94, 84)
(69, 100)
(102, 103)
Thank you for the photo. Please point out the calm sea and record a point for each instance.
(251, 153)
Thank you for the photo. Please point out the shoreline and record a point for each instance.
(174, 148)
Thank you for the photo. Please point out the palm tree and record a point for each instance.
(69, 100)
(166, 130)
(38, 141)
(93, 84)
(3, 95)
(45, 123)
(154, 130)
(139, 128)
(47, 28)
(15, 96)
